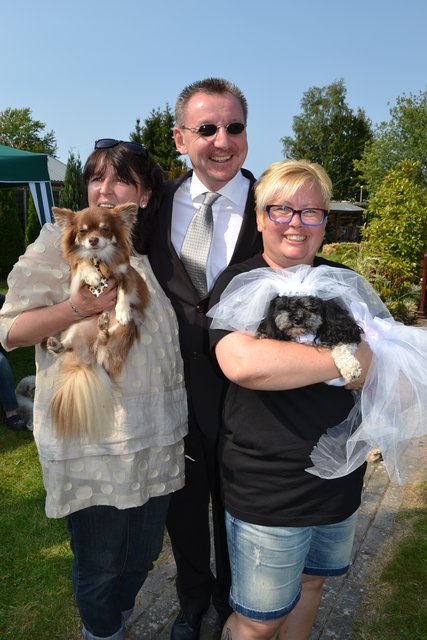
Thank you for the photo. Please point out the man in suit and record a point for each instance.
(211, 117)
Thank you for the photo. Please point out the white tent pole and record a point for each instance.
(43, 200)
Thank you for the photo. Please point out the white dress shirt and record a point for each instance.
(227, 214)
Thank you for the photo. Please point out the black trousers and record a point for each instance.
(188, 527)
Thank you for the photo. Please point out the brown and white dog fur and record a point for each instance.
(97, 244)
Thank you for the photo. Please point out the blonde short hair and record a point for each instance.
(286, 177)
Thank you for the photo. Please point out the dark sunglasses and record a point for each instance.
(208, 130)
(108, 143)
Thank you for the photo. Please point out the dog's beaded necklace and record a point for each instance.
(103, 284)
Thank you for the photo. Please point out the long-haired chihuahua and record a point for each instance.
(97, 244)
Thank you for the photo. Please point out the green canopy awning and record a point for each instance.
(18, 168)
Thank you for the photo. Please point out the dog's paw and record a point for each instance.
(347, 364)
(104, 321)
(89, 274)
(93, 279)
(103, 328)
(55, 346)
(123, 313)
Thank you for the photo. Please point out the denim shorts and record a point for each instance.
(267, 562)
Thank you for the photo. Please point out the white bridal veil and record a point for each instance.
(391, 411)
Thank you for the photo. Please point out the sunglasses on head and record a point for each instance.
(207, 130)
(108, 143)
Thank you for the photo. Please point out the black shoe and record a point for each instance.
(187, 626)
(15, 423)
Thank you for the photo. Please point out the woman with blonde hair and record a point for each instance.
(287, 529)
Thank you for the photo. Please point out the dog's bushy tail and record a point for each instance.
(83, 404)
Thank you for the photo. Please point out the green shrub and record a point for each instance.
(397, 230)
(32, 229)
(394, 284)
(344, 252)
(393, 237)
(71, 195)
(390, 277)
(11, 233)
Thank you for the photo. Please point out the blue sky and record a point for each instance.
(88, 69)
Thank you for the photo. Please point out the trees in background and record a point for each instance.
(157, 135)
(394, 237)
(403, 137)
(394, 170)
(19, 130)
(72, 194)
(330, 133)
(397, 229)
(390, 161)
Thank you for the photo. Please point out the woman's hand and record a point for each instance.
(35, 325)
(85, 303)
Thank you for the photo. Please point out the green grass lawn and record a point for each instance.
(35, 586)
(395, 602)
(36, 601)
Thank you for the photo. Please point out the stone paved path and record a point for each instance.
(156, 605)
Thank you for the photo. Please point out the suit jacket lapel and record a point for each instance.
(171, 188)
(248, 234)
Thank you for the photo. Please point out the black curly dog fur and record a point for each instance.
(289, 317)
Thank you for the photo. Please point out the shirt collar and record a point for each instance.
(232, 190)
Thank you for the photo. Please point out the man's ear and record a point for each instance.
(179, 141)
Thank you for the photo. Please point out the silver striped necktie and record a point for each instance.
(197, 243)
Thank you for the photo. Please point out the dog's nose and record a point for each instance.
(93, 241)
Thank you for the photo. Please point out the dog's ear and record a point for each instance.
(63, 216)
(127, 212)
(338, 325)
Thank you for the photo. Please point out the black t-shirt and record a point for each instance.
(266, 440)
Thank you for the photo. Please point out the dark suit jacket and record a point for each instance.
(204, 382)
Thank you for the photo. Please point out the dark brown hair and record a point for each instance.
(126, 164)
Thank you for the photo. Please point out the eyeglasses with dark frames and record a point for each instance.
(310, 217)
(208, 130)
(108, 143)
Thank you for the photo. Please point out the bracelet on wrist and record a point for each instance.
(76, 311)
(346, 362)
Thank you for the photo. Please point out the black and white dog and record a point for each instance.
(321, 322)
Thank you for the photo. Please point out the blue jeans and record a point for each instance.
(114, 549)
(267, 562)
(7, 389)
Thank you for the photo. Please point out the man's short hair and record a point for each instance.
(209, 86)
